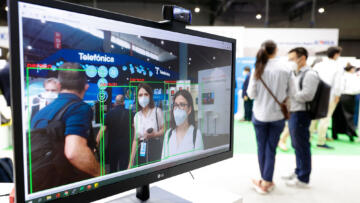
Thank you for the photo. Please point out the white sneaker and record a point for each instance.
(289, 176)
(297, 183)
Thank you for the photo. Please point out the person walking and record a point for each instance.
(330, 72)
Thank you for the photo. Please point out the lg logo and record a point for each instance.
(160, 175)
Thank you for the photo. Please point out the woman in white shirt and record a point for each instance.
(148, 128)
(183, 137)
(343, 117)
(268, 118)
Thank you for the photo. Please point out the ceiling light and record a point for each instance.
(6, 8)
(321, 10)
(214, 57)
(258, 16)
(197, 10)
(162, 42)
(112, 46)
(29, 47)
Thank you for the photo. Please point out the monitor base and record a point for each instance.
(143, 193)
(158, 195)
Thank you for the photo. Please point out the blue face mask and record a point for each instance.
(180, 116)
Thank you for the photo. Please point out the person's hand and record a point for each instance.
(149, 135)
(246, 98)
(337, 99)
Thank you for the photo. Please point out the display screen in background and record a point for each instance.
(117, 59)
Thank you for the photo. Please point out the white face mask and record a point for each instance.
(144, 101)
(293, 65)
(180, 116)
(49, 96)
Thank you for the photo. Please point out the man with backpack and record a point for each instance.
(62, 145)
(300, 118)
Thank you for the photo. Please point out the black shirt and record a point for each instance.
(118, 124)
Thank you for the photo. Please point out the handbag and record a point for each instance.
(282, 105)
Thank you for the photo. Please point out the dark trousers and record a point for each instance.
(267, 137)
(248, 105)
(299, 124)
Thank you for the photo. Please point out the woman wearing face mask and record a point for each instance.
(183, 136)
(148, 128)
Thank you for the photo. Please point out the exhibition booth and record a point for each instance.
(189, 81)
(248, 41)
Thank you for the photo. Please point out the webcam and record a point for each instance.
(176, 13)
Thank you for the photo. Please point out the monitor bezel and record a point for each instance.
(127, 184)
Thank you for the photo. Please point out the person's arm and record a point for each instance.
(251, 91)
(245, 87)
(199, 143)
(165, 145)
(80, 155)
(133, 153)
(309, 87)
(134, 143)
(100, 134)
(160, 132)
(338, 84)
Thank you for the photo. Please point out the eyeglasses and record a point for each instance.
(179, 106)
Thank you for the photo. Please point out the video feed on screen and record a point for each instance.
(99, 101)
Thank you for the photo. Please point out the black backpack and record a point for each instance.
(49, 166)
(318, 107)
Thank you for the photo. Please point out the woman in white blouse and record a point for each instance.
(343, 117)
(183, 137)
(148, 128)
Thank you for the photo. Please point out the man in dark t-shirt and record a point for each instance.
(117, 125)
(77, 118)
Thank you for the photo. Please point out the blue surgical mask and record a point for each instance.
(180, 116)
(144, 101)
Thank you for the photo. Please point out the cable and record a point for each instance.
(4, 195)
(192, 175)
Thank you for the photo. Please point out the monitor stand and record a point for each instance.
(158, 195)
(143, 193)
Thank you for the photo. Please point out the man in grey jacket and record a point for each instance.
(300, 120)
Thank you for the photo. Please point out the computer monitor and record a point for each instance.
(103, 103)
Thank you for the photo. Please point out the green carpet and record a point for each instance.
(245, 142)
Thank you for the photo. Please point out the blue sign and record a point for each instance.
(113, 72)
(102, 83)
(123, 61)
(102, 71)
(90, 71)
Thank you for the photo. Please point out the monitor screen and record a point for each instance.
(105, 100)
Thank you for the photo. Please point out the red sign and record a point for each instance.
(136, 80)
(57, 40)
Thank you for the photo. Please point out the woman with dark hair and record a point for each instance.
(148, 128)
(268, 87)
(183, 135)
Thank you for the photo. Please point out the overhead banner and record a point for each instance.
(314, 40)
(108, 63)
